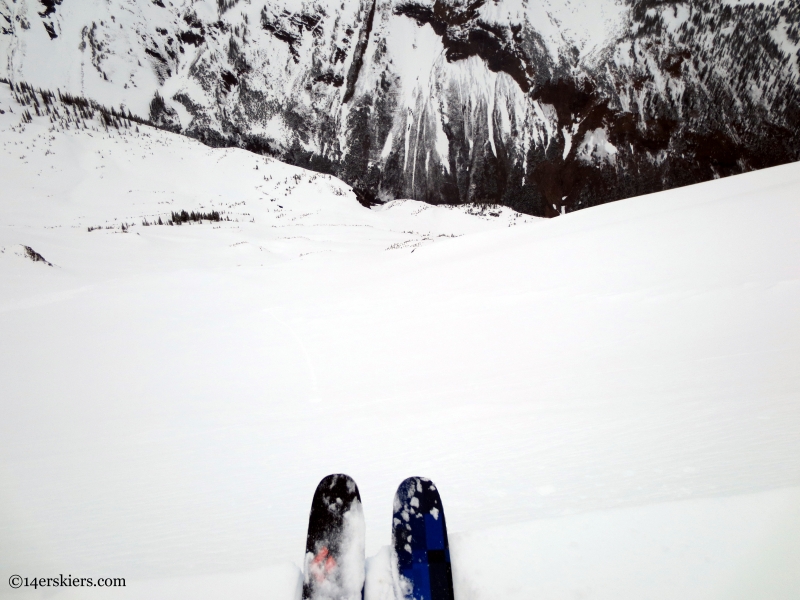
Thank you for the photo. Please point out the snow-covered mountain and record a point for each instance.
(609, 402)
(543, 106)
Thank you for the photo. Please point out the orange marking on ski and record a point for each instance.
(322, 564)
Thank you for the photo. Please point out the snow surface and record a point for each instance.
(608, 402)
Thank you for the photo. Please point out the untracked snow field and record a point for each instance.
(608, 401)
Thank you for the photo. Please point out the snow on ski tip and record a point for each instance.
(334, 560)
(421, 553)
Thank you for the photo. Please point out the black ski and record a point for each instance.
(334, 563)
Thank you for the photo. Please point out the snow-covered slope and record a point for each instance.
(623, 379)
(542, 106)
(91, 183)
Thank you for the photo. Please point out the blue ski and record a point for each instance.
(419, 536)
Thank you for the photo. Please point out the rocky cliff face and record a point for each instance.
(545, 106)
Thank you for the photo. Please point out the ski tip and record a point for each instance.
(340, 484)
(420, 549)
(419, 487)
(334, 561)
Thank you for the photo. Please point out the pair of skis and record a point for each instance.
(334, 564)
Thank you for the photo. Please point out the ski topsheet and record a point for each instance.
(334, 562)
(421, 556)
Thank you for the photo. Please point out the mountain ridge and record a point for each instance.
(443, 101)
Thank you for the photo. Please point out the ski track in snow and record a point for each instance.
(609, 402)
